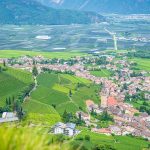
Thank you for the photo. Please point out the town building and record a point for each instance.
(66, 129)
(8, 117)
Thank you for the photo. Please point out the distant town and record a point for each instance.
(117, 93)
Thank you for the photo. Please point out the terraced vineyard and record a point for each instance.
(53, 90)
(123, 142)
(101, 73)
(12, 82)
(142, 64)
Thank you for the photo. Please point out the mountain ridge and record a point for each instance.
(102, 6)
(32, 12)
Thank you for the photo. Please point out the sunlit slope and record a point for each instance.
(12, 82)
(53, 90)
(18, 53)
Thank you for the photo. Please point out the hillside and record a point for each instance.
(54, 89)
(103, 6)
(12, 82)
(31, 12)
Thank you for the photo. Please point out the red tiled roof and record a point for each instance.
(111, 101)
(89, 102)
(103, 130)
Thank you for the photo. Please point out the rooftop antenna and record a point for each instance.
(114, 38)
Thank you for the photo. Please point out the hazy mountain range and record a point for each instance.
(102, 6)
(57, 12)
(33, 12)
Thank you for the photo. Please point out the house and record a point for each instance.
(146, 134)
(84, 116)
(89, 103)
(105, 131)
(111, 101)
(127, 130)
(8, 117)
(59, 128)
(66, 129)
(147, 96)
(70, 129)
(91, 106)
(115, 130)
(103, 100)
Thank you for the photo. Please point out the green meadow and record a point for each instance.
(53, 90)
(101, 73)
(142, 64)
(17, 53)
(118, 142)
(12, 82)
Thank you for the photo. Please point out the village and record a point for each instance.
(116, 94)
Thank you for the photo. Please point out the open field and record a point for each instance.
(17, 53)
(45, 119)
(123, 142)
(142, 64)
(101, 73)
(39, 107)
(53, 89)
(12, 82)
(75, 36)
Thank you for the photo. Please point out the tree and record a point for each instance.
(34, 62)
(64, 116)
(34, 71)
(14, 105)
(142, 108)
(80, 116)
(87, 138)
(4, 63)
(105, 117)
(70, 93)
(7, 103)
(1, 69)
(125, 87)
(54, 105)
(103, 147)
(20, 112)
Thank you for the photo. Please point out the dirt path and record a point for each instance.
(33, 89)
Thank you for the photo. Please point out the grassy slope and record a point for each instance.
(102, 73)
(123, 142)
(12, 82)
(17, 53)
(54, 89)
(143, 64)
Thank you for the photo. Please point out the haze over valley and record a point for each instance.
(132, 32)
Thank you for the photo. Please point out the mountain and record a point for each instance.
(102, 6)
(32, 12)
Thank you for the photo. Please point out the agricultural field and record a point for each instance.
(101, 73)
(118, 142)
(12, 82)
(142, 64)
(17, 53)
(53, 90)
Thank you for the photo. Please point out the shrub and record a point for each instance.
(87, 137)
